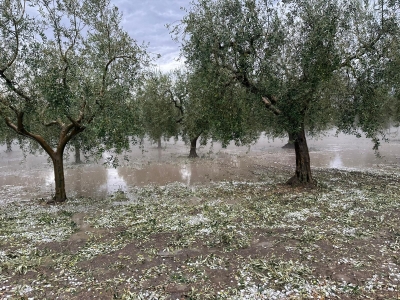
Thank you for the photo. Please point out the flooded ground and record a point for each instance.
(219, 227)
(32, 177)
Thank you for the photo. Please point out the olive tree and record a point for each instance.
(194, 116)
(373, 83)
(206, 111)
(158, 116)
(65, 67)
(287, 54)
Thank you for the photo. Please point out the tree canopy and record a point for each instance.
(205, 113)
(291, 55)
(65, 68)
(159, 117)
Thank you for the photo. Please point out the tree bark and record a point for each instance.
(193, 142)
(290, 143)
(159, 146)
(77, 153)
(303, 168)
(59, 180)
(9, 145)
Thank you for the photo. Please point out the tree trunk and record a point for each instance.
(159, 146)
(77, 153)
(303, 169)
(9, 144)
(59, 180)
(193, 153)
(66, 134)
(290, 143)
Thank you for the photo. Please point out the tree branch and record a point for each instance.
(103, 85)
(77, 122)
(58, 122)
(270, 106)
(15, 23)
(16, 48)
(20, 129)
(178, 106)
(12, 86)
(67, 133)
(243, 79)
(361, 51)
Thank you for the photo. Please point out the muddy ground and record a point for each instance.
(237, 232)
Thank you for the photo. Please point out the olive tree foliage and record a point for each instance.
(209, 112)
(370, 82)
(158, 115)
(7, 137)
(290, 55)
(66, 67)
(234, 116)
(393, 73)
(192, 105)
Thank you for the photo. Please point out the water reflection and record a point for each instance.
(33, 176)
(114, 182)
(86, 180)
(186, 173)
(336, 163)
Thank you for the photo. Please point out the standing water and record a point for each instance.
(23, 179)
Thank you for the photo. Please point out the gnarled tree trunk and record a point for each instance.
(303, 168)
(193, 142)
(59, 180)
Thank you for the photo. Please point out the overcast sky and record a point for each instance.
(145, 21)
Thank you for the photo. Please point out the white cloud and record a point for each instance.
(169, 64)
(145, 21)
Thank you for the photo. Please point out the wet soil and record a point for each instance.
(220, 227)
(259, 247)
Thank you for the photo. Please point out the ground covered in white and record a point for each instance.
(250, 239)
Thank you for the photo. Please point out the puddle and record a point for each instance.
(23, 179)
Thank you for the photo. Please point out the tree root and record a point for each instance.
(53, 201)
(295, 181)
(193, 154)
